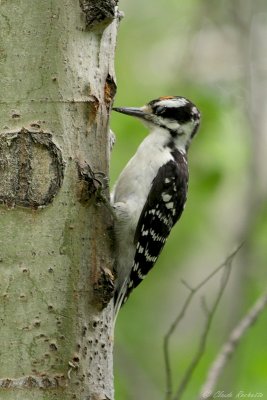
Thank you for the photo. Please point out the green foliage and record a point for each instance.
(156, 51)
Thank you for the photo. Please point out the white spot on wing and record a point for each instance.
(140, 249)
(169, 205)
(166, 197)
(140, 276)
(162, 218)
(155, 237)
(150, 258)
(136, 266)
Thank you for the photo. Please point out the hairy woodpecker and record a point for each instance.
(150, 193)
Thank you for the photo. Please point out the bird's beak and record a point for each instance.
(133, 111)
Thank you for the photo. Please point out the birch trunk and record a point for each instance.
(57, 86)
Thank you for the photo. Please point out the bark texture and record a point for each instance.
(57, 86)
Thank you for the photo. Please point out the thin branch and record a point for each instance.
(205, 305)
(174, 325)
(203, 340)
(230, 346)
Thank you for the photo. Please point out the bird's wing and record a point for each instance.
(164, 206)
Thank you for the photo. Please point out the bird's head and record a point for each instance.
(174, 116)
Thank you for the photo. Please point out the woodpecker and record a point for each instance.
(150, 193)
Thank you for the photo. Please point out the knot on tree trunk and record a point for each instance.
(31, 168)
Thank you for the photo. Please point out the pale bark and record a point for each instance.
(57, 86)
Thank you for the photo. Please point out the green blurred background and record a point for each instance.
(215, 53)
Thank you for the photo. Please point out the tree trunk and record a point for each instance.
(57, 86)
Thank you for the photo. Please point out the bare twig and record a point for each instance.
(230, 346)
(174, 325)
(203, 339)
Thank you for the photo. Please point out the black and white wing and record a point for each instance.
(164, 206)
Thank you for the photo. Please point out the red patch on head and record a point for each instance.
(166, 97)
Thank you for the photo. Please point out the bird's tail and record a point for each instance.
(119, 299)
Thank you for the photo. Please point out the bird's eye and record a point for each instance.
(159, 110)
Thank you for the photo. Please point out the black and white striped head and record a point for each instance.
(176, 115)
